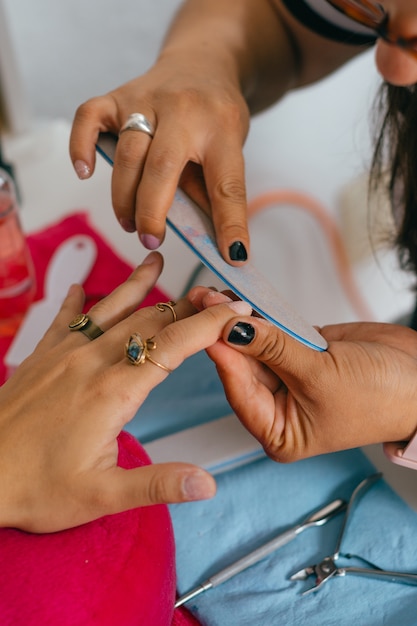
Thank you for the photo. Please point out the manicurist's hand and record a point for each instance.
(219, 60)
(298, 402)
(200, 122)
(62, 410)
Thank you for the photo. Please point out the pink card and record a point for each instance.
(195, 228)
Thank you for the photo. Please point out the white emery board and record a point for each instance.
(217, 446)
(195, 228)
(71, 263)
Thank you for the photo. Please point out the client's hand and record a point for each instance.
(298, 402)
(62, 410)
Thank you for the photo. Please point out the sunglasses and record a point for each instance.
(373, 15)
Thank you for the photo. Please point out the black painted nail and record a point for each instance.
(241, 334)
(237, 251)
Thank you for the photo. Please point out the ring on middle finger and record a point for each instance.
(137, 351)
(138, 122)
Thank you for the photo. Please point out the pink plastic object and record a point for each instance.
(402, 453)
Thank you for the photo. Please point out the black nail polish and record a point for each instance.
(241, 334)
(237, 251)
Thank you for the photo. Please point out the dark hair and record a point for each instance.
(396, 155)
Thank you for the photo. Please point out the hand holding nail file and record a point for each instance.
(194, 227)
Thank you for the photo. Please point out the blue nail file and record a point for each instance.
(195, 228)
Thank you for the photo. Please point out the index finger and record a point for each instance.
(91, 118)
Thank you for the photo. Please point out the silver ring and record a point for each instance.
(138, 122)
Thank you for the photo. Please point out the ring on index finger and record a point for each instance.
(138, 122)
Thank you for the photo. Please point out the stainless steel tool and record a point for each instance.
(329, 567)
(318, 518)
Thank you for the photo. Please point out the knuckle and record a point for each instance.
(129, 155)
(270, 348)
(158, 490)
(230, 188)
(162, 163)
(232, 115)
(174, 335)
(147, 314)
(88, 109)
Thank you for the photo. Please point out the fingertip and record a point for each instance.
(198, 485)
(75, 292)
(152, 258)
(150, 242)
(82, 169)
(195, 297)
(211, 298)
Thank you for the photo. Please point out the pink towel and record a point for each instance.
(116, 571)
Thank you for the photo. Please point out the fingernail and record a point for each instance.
(237, 251)
(215, 297)
(241, 307)
(150, 242)
(149, 259)
(197, 486)
(73, 289)
(241, 334)
(128, 225)
(82, 169)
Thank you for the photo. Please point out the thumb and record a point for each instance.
(284, 355)
(162, 483)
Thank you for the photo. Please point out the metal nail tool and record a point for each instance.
(328, 567)
(318, 518)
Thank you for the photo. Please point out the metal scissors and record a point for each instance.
(328, 567)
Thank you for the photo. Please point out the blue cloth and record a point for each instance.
(256, 502)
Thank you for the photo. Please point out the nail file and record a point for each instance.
(195, 228)
(71, 263)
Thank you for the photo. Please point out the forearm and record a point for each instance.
(241, 40)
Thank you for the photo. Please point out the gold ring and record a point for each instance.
(137, 351)
(161, 306)
(84, 324)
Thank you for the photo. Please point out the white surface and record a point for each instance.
(71, 263)
(14, 106)
(218, 446)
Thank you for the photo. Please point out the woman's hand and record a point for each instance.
(201, 121)
(298, 402)
(62, 410)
